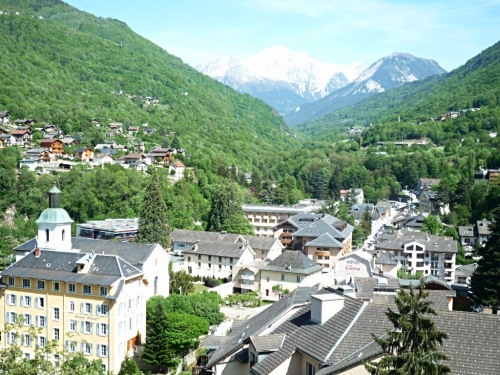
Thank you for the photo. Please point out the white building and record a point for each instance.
(421, 252)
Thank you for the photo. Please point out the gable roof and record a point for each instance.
(397, 240)
(315, 225)
(294, 262)
(62, 266)
(192, 236)
(231, 250)
(268, 343)
(254, 326)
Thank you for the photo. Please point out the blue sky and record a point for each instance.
(334, 31)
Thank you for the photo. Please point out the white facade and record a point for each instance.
(215, 266)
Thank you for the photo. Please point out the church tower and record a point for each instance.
(54, 225)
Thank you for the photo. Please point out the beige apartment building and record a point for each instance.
(88, 301)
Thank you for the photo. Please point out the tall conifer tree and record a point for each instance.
(153, 223)
(411, 348)
(484, 282)
(156, 351)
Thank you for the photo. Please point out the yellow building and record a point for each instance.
(90, 302)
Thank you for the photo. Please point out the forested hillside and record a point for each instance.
(67, 67)
(475, 84)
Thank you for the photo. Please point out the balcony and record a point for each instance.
(322, 253)
(247, 277)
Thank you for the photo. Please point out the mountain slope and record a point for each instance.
(68, 67)
(280, 77)
(474, 84)
(385, 74)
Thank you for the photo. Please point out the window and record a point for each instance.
(42, 341)
(63, 234)
(71, 306)
(57, 313)
(230, 260)
(26, 319)
(199, 256)
(87, 327)
(103, 290)
(209, 265)
(72, 325)
(310, 369)
(41, 284)
(298, 279)
(12, 281)
(209, 258)
(87, 308)
(71, 346)
(56, 286)
(11, 299)
(40, 302)
(25, 301)
(102, 328)
(267, 279)
(199, 264)
(41, 321)
(71, 288)
(11, 317)
(57, 334)
(189, 259)
(11, 338)
(26, 283)
(26, 340)
(87, 348)
(87, 289)
(46, 235)
(102, 350)
(102, 309)
(282, 277)
(220, 266)
(220, 259)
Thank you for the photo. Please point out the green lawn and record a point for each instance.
(198, 288)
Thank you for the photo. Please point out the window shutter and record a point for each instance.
(91, 349)
(98, 309)
(98, 350)
(36, 320)
(67, 345)
(15, 300)
(83, 347)
(91, 309)
(7, 317)
(91, 328)
(107, 329)
(98, 328)
(83, 326)
(82, 307)
(37, 301)
(21, 300)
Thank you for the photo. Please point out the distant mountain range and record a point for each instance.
(282, 78)
(387, 73)
(301, 88)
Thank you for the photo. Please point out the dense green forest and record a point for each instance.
(68, 67)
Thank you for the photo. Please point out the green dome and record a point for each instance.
(54, 216)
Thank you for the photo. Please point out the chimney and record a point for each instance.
(38, 252)
(325, 306)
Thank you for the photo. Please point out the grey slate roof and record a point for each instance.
(472, 346)
(293, 261)
(395, 241)
(268, 343)
(258, 323)
(132, 252)
(215, 342)
(213, 248)
(483, 227)
(191, 236)
(314, 340)
(62, 266)
(315, 225)
(325, 240)
(466, 231)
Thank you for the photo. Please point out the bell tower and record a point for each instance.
(54, 225)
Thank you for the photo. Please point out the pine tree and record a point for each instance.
(129, 367)
(153, 223)
(411, 348)
(226, 213)
(156, 351)
(484, 282)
